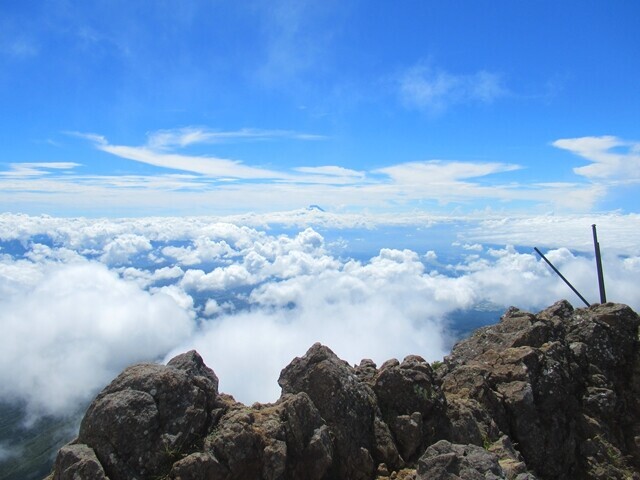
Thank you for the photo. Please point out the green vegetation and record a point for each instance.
(34, 446)
(436, 365)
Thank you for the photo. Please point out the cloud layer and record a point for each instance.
(183, 182)
(83, 298)
(68, 327)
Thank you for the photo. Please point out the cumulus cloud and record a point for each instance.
(72, 318)
(389, 306)
(67, 334)
(146, 278)
(122, 248)
(203, 250)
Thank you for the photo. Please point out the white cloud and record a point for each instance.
(157, 151)
(330, 174)
(612, 158)
(439, 172)
(16, 275)
(19, 46)
(435, 90)
(71, 331)
(211, 308)
(183, 137)
(77, 323)
(19, 170)
(203, 250)
(221, 278)
(122, 248)
(209, 166)
(208, 183)
(182, 299)
(146, 278)
(617, 233)
(387, 307)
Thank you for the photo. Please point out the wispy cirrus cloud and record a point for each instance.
(438, 171)
(155, 153)
(613, 159)
(297, 38)
(204, 183)
(204, 165)
(435, 90)
(36, 169)
(160, 149)
(183, 137)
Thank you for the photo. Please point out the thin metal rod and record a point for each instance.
(596, 245)
(561, 276)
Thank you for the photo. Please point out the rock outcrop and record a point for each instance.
(552, 395)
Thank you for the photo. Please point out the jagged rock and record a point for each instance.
(308, 438)
(543, 378)
(449, 461)
(288, 439)
(411, 403)
(366, 371)
(149, 416)
(242, 438)
(77, 462)
(347, 405)
(544, 396)
(198, 466)
(510, 460)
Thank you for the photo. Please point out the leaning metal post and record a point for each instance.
(561, 276)
(596, 245)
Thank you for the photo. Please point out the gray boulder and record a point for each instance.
(412, 404)
(77, 462)
(150, 416)
(348, 406)
(449, 461)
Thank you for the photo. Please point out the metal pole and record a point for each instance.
(596, 245)
(561, 276)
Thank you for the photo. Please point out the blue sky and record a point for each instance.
(171, 107)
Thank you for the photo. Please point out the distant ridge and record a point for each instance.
(315, 207)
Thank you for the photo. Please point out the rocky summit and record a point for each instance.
(552, 395)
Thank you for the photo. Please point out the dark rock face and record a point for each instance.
(447, 461)
(347, 405)
(548, 396)
(77, 461)
(412, 404)
(559, 384)
(149, 415)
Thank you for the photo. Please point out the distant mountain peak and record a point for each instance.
(315, 207)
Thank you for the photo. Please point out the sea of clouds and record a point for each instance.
(80, 299)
